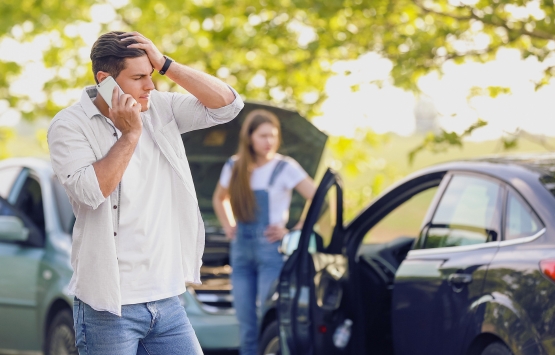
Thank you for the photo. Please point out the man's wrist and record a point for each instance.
(132, 135)
(166, 65)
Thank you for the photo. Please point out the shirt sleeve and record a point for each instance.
(225, 176)
(72, 158)
(190, 114)
(293, 173)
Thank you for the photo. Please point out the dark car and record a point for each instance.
(457, 259)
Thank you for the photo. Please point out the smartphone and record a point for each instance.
(106, 88)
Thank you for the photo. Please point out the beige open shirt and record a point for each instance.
(79, 136)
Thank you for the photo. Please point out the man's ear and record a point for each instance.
(101, 75)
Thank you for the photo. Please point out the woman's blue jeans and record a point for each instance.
(256, 265)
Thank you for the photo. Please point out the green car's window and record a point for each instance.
(29, 202)
(520, 220)
(7, 178)
(35, 238)
(468, 213)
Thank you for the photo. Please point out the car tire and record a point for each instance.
(60, 338)
(496, 348)
(269, 342)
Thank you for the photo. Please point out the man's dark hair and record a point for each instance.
(108, 53)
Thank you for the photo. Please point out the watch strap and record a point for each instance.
(166, 65)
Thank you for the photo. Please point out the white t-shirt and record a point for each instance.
(281, 190)
(148, 247)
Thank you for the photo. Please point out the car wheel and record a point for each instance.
(60, 339)
(269, 342)
(496, 348)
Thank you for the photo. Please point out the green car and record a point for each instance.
(36, 220)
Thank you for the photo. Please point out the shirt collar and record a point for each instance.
(89, 93)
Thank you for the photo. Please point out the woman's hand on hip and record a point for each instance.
(230, 232)
(275, 233)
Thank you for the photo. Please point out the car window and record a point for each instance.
(327, 221)
(520, 220)
(7, 178)
(468, 213)
(404, 221)
(29, 201)
(35, 236)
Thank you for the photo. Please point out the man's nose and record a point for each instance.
(149, 84)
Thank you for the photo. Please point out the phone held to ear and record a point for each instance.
(106, 88)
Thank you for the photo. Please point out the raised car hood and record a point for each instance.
(208, 150)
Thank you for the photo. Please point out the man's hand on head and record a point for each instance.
(154, 55)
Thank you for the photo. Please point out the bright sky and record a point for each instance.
(383, 109)
(390, 109)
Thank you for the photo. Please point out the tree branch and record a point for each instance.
(501, 23)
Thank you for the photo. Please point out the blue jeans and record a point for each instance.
(256, 265)
(153, 328)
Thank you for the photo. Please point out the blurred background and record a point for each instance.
(397, 85)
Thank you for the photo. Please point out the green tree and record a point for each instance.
(281, 51)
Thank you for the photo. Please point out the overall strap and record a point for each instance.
(230, 162)
(279, 167)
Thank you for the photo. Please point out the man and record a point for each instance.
(138, 235)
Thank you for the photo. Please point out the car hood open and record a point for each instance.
(208, 150)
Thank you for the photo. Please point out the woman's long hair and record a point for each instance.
(243, 202)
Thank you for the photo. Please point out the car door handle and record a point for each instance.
(459, 279)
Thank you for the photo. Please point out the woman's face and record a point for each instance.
(265, 139)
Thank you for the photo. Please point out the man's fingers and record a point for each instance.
(134, 33)
(130, 101)
(136, 38)
(138, 45)
(115, 96)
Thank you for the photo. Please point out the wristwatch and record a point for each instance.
(166, 65)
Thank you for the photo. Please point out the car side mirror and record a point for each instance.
(12, 229)
(290, 242)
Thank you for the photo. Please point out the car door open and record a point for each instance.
(311, 282)
(437, 285)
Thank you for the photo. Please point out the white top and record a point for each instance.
(280, 192)
(148, 248)
(79, 136)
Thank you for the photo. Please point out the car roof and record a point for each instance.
(528, 167)
(40, 165)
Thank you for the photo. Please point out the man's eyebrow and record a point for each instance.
(141, 75)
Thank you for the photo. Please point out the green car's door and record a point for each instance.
(19, 265)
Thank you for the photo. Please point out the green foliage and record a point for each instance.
(6, 135)
(356, 161)
(279, 51)
(491, 91)
(444, 140)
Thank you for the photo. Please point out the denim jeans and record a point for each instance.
(153, 328)
(256, 265)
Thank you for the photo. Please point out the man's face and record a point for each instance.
(136, 80)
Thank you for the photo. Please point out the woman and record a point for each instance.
(252, 202)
